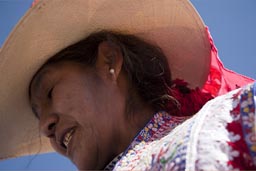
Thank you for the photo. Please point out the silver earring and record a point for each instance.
(111, 71)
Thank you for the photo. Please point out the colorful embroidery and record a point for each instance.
(112, 164)
(141, 153)
(247, 109)
(221, 136)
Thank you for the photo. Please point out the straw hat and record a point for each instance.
(49, 26)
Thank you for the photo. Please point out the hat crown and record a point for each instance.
(50, 26)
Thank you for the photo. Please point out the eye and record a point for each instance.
(49, 95)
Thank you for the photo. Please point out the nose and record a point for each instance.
(48, 125)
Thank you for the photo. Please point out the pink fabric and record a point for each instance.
(220, 79)
(34, 3)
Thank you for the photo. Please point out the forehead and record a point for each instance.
(50, 71)
(52, 68)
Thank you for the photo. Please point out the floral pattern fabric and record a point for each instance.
(221, 136)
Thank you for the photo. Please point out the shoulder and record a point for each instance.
(223, 130)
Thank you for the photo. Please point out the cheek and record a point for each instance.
(68, 102)
(85, 148)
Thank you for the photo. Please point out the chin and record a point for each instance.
(85, 166)
(88, 162)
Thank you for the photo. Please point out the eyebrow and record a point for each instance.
(36, 80)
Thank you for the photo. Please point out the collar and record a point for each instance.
(159, 126)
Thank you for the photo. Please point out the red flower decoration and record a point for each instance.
(186, 101)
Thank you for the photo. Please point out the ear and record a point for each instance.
(109, 59)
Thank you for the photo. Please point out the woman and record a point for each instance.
(110, 96)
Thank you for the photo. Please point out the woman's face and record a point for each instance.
(78, 111)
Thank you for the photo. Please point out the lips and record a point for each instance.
(67, 137)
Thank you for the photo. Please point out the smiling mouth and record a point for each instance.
(67, 138)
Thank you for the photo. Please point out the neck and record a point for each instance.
(138, 114)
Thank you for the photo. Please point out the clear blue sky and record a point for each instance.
(232, 24)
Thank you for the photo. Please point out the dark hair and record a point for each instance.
(145, 64)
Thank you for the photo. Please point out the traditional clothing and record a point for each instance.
(221, 136)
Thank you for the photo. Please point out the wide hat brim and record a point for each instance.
(48, 27)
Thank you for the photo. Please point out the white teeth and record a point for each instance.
(68, 137)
